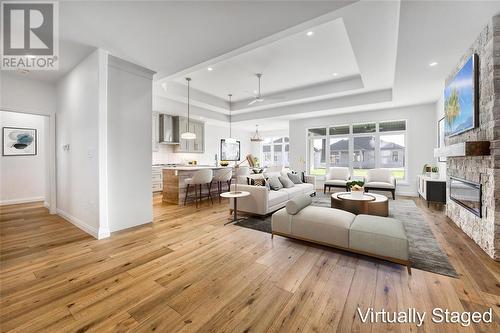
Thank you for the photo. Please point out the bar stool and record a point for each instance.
(201, 177)
(222, 176)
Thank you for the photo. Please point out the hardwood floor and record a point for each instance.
(186, 272)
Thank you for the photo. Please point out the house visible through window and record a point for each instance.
(359, 147)
(275, 152)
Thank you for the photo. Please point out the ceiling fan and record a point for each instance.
(258, 98)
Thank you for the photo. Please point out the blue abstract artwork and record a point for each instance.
(19, 141)
(460, 101)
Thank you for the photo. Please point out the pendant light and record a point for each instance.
(256, 137)
(188, 135)
(230, 139)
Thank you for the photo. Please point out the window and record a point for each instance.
(359, 147)
(274, 152)
(317, 148)
(364, 128)
(364, 155)
(392, 154)
(339, 151)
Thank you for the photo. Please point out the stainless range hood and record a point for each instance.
(169, 129)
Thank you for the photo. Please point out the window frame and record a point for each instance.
(283, 145)
(377, 134)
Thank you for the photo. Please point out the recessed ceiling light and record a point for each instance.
(210, 69)
(310, 33)
(335, 74)
(432, 64)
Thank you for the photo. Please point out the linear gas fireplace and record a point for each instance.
(467, 194)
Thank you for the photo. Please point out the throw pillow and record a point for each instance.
(287, 183)
(295, 178)
(275, 183)
(258, 182)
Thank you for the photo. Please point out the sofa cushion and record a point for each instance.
(379, 175)
(380, 185)
(277, 197)
(287, 183)
(297, 203)
(295, 178)
(275, 183)
(341, 173)
(323, 224)
(305, 187)
(292, 192)
(336, 182)
(381, 236)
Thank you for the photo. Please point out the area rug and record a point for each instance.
(425, 252)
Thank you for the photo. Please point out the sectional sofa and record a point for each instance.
(263, 201)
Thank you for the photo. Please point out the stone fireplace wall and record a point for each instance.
(485, 170)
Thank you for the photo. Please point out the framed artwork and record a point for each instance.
(441, 134)
(19, 141)
(229, 151)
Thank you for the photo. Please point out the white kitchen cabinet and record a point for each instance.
(191, 146)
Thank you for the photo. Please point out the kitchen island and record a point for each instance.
(174, 186)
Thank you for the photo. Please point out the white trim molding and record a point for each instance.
(21, 200)
(98, 234)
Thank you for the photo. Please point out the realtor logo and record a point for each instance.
(30, 38)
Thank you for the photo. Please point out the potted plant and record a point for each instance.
(427, 170)
(435, 172)
(356, 187)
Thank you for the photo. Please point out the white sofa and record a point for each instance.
(380, 180)
(263, 201)
(337, 177)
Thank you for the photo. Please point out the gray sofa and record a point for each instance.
(375, 236)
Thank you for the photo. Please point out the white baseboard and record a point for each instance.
(79, 223)
(20, 201)
(46, 204)
(103, 233)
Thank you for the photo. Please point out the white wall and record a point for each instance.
(213, 134)
(23, 94)
(421, 136)
(23, 178)
(77, 126)
(129, 105)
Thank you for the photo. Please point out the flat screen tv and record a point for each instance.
(461, 102)
(229, 151)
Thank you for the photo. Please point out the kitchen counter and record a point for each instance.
(174, 186)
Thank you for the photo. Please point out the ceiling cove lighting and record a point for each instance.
(310, 33)
(432, 64)
(188, 135)
(230, 139)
